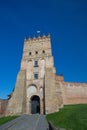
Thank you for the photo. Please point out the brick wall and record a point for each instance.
(72, 93)
(3, 106)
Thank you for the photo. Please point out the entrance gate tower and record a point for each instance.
(35, 90)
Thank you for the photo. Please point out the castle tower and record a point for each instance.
(35, 89)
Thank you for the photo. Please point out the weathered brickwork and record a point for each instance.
(73, 93)
(38, 89)
(3, 106)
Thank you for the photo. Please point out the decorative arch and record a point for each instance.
(32, 90)
(33, 85)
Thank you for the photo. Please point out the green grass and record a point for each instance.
(3, 120)
(71, 117)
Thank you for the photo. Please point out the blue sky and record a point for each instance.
(66, 20)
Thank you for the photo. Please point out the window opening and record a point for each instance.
(36, 52)
(43, 51)
(35, 63)
(36, 76)
(29, 53)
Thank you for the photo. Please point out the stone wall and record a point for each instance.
(51, 104)
(3, 106)
(76, 93)
(17, 103)
(73, 93)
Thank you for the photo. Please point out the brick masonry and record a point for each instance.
(3, 106)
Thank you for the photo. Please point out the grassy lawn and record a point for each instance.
(3, 120)
(71, 117)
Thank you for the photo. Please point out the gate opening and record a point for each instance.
(35, 104)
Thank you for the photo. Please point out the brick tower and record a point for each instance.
(35, 90)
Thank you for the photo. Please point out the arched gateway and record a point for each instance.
(35, 104)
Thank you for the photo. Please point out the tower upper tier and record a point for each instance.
(37, 47)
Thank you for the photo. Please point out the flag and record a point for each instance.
(38, 31)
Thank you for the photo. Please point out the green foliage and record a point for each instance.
(71, 117)
(3, 120)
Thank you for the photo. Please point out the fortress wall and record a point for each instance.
(74, 93)
(3, 105)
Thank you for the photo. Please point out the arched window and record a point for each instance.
(43, 51)
(36, 52)
(29, 53)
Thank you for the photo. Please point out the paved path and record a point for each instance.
(27, 122)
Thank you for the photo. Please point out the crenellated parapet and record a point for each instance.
(37, 38)
(37, 47)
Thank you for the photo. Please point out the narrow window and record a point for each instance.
(35, 63)
(36, 52)
(36, 76)
(29, 53)
(43, 51)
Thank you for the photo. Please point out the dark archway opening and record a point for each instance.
(35, 104)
